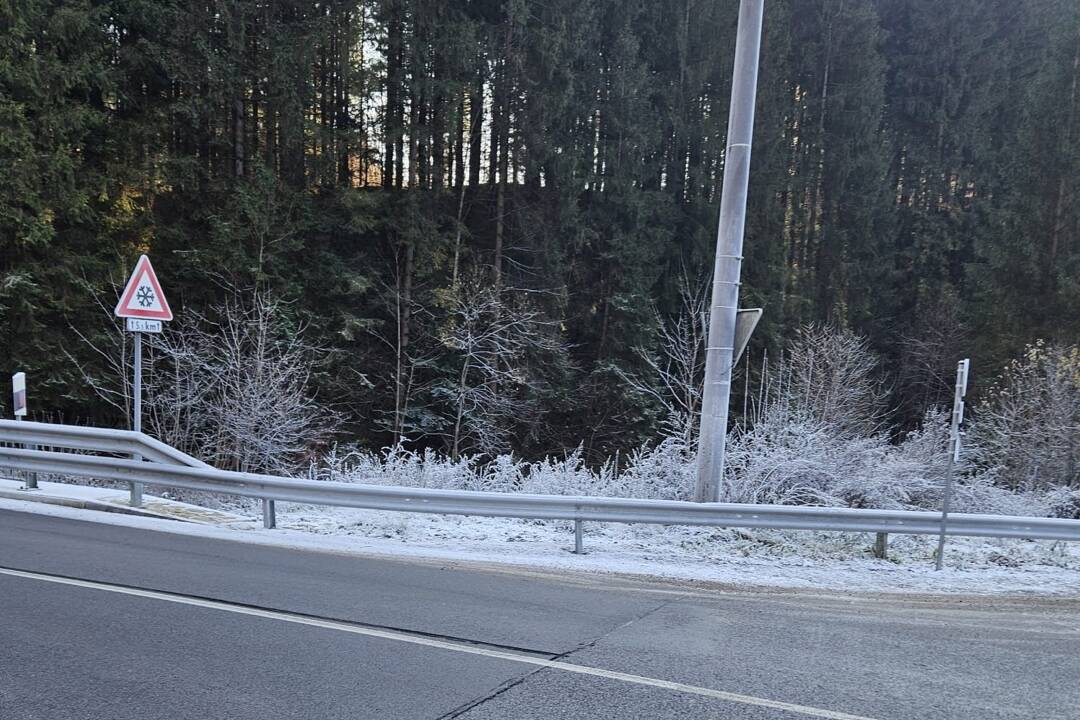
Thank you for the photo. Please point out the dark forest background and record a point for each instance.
(383, 168)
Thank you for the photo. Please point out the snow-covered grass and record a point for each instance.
(746, 557)
(817, 472)
(746, 560)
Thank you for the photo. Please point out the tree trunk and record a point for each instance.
(238, 137)
(342, 126)
(823, 260)
(417, 100)
(238, 43)
(1063, 182)
(500, 208)
(438, 122)
(476, 122)
(393, 114)
(459, 144)
(501, 128)
(455, 451)
(498, 69)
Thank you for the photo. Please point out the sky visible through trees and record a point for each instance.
(486, 216)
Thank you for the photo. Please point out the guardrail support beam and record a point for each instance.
(135, 487)
(881, 546)
(269, 513)
(579, 540)
(31, 477)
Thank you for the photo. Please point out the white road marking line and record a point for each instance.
(441, 645)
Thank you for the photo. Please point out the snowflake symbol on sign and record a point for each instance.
(145, 296)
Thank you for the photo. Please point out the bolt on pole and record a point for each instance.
(729, 241)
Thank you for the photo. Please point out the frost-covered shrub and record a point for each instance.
(785, 458)
(912, 473)
(1064, 503)
(428, 469)
(917, 468)
(797, 460)
(664, 472)
(567, 476)
(1029, 423)
(788, 459)
(396, 466)
(889, 480)
(829, 374)
(979, 494)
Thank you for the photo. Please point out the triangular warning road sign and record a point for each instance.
(142, 297)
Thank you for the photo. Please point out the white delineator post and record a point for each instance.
(18, 397)
(729, 242)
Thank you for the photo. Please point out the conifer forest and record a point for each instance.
(487, 227)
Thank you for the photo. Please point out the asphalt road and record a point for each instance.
(109, 623)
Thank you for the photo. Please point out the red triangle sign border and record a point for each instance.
(122, 308)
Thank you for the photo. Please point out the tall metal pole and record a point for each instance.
(136, 418)
(729, 242)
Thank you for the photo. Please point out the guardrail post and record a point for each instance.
(135, 487)
(881, 546)
(578, 538)
(269, 513)
(31, 475)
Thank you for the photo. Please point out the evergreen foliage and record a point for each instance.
(368, 162)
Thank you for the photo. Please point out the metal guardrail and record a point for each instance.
(78, 438)
(170, 471)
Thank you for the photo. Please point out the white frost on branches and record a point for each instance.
(231, 387)
(675, 369)
(1029, 423)
(830, 375)
(494, 338)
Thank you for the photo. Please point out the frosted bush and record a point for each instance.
(909, 475)
(786, 458)
(813, 438)
(397, 466)
(888, 480)
(664, 472)
(1029, 423)
(831, 376)
(567, 476)
(979, 494)
(1063, 502)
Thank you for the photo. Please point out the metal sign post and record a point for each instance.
(18, 401)
(144, 307)
(136, 415)
(954, 452)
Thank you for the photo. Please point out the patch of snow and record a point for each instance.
(67, 490)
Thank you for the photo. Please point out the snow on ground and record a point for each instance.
(67, 490)
(746, 559)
